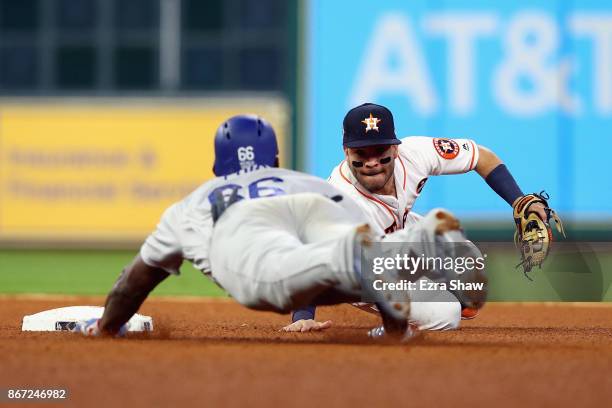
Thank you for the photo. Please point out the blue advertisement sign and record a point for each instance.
(531, 80)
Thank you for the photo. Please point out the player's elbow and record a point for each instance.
(487, 161)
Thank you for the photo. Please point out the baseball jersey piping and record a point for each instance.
(369, 197)
(404, 168)
(473, 155)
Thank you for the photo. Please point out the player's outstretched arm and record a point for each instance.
(131, 289)
(498, 177)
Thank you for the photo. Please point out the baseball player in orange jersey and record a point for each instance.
(385, 176)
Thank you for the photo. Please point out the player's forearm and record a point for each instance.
(128, 294)
(119, 308)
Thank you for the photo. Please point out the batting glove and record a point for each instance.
(91, 328)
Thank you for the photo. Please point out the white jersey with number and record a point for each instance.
(419, 157)
(186, 227)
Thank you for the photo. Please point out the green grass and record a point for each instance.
(93, 272)
(86, 273)
(569, 278)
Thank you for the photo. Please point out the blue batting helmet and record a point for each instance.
(244, 141)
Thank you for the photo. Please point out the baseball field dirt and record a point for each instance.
(216, 353)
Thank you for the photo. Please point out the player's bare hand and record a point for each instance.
(538, 208)
(304, 326)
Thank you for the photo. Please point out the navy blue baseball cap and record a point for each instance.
(368, 125)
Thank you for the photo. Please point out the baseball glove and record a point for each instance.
(533, 235)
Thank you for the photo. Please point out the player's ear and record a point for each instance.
(394, 151)
(346, 152)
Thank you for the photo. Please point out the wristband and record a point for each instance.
(305, 313)
(502, 182)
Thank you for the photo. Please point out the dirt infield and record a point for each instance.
(216, 353)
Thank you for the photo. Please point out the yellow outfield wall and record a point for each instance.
(104, 170)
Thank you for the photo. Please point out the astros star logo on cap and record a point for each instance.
(371, 123)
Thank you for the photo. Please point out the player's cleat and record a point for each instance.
(377, 332)
(395, 325)
(380, 333)
(468, 313)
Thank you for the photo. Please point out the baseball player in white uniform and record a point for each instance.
(274, 239)
(385, 176)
